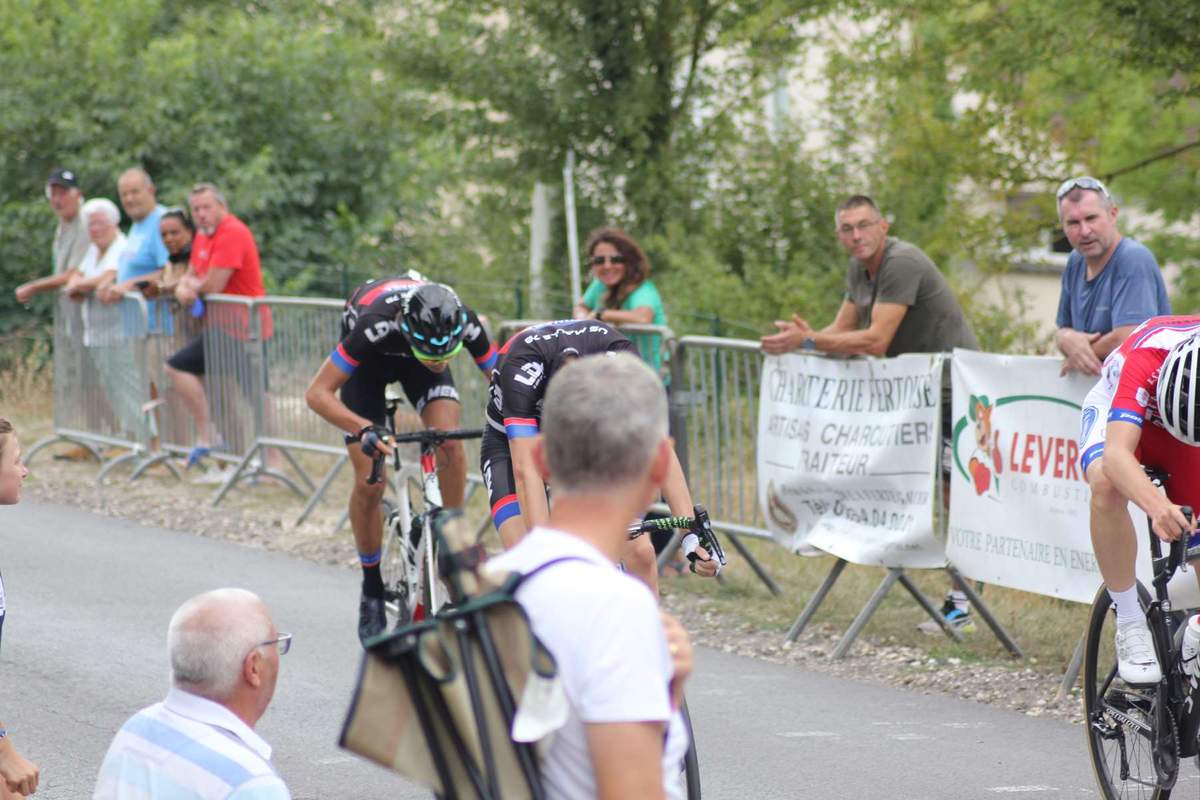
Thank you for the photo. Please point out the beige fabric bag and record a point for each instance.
(413, 711)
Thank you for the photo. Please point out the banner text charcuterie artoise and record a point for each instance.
(1018, 500)
(846, 454)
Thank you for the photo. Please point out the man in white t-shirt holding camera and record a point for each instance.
(604, 448)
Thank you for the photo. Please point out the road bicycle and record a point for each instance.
(1139, 735)
(407, 562)
(699, 534)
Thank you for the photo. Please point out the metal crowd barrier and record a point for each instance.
(714, 419)
(103, 385)
(260, 354)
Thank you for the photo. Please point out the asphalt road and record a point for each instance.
(84, 646)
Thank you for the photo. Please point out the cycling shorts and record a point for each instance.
(1157, 448)
(232, 359)
(363, 392)
(495, 462)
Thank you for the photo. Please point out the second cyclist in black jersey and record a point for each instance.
(404, 329)
(516, 489)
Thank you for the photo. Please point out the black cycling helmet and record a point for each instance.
(433, 320)
(1177, 395)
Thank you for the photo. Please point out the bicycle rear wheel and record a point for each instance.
(1131, 740)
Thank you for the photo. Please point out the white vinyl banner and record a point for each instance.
(1018, 501)
(846, 455)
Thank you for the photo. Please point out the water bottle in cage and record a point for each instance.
(1189, 650)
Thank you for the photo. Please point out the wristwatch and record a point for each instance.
(809, 343)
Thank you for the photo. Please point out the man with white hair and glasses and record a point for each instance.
(1111, 283)
(199, 743)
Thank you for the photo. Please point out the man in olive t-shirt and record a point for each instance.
(896, 300)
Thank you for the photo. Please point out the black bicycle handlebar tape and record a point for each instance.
(435, 436)
(376, 471)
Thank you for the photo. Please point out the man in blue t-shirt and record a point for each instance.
(1111, 284)
(144, 255)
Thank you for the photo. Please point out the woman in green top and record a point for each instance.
(621, 292)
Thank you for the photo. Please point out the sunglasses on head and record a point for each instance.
(598, 261)
(1085, 182)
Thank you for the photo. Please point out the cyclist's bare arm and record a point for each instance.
(1123, 469)
(679, 499)
(531, 485)
(627, 759)
(321, 396)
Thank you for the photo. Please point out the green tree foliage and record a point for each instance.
(661, 101)
(328, 157)
(973, 112)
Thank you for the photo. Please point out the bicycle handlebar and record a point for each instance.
(1179, 552)
(429, 436)
(700, 534)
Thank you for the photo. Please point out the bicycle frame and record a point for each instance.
(431, 491)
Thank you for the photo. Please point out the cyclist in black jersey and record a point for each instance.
(516, 488)
(403, 329)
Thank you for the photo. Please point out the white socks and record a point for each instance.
(1128, 607)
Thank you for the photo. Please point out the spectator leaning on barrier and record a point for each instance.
(99, 264)
(177, 231)
(144, 254)
(224, 259)
(1111, 284)
(621, 291)
(199, 743)
(896, 302)
(70, 237)
(605, 449)
(18, 775)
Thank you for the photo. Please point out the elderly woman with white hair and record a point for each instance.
(106, 329)
(99, 266)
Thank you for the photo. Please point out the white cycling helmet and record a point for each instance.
(1178, 399)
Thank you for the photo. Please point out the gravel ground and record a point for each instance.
(262, 516)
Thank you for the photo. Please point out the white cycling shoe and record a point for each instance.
(1136, 660)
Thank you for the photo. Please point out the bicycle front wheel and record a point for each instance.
(691, 760)
(1127, 740)
(399, 563)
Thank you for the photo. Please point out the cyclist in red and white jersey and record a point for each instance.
(1143, 412)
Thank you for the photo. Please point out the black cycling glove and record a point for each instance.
(370, 437)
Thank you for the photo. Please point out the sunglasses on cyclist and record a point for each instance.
(437, 359)
(1086, 182)
(598, 261)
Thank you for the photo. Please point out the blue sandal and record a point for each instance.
(196, 455)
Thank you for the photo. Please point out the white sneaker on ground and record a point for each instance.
(1136, 660)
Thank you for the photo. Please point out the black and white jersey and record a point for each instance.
(530, 358)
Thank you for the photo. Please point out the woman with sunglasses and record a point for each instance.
(177, 232)
(621, 292)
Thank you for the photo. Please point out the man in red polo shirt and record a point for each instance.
(224, 260)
